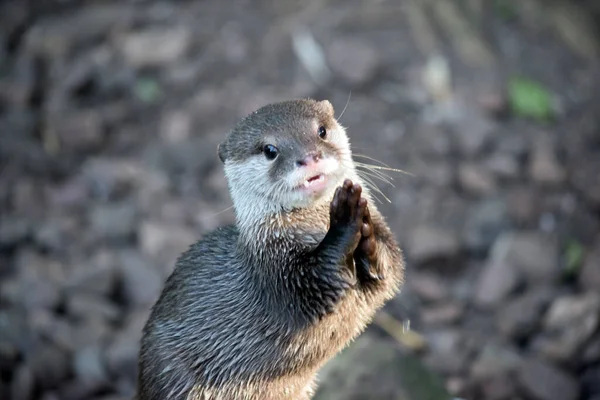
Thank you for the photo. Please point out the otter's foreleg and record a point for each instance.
(378, 260)
(328, 274)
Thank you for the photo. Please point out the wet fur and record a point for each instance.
(252, 311)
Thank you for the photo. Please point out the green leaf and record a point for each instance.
(574, 253)
(147, 90)
(529, 99)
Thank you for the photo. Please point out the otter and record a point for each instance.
(253, 310)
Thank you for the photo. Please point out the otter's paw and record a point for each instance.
(347, 210)
(365, 253)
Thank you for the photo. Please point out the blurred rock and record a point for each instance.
(495, 359)
(544, 167)
(88, 306)
(354, 60)
(475, 179)
(473, 130)
(50, 366)
(543, 381)
(437, 173)
(163, 239)
(89, 368)
(141, 282)
(486, 220)
(589, 275)
(522, 315)
(432, 141)
(114, 221)
(55, 37)
(523, 204)
(23, 384)
(90, 332)
(379, 371)
(591, 381)
(13, 230)
(97, 278)
(156, 46)
(591, 353)
(176, 127)
(446, 354)
(534, 255)
(121, 355)
(586, 179)
(429, 243)
(80, 131)
(496, 282)
(428, 286)
(442, 314)
(569, 323)
(503, 165)
(499, 387)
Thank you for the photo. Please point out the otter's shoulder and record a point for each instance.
(214, 244)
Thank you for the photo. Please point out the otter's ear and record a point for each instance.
(327, 107)
(221, 152)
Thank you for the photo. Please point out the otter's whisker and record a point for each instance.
(372, 185)
(222, 211)
(369, 167)
(346, 106)
(377, 175)
(370, 158)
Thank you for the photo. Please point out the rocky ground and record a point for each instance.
(110, 113)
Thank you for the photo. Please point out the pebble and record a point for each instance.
(568, 325)
(503, 165)
(476, 179)
(89, 306)
(586, 179)
(429, 243)
(79, 132)
(356, 61)
(495, 359)
(499, 387)
(535, 255)
(522, 315)
(544, 167)
(485, 221)
(98, 277)
(114, 220)
(163, 239)
(13, 230)
(50, 366)
(140, 280)
(446, 354)
(156, 46)
(589, 275)
(89, 368)
(543, 381)
(23, 384)
(442, 314)
(496, 282)
(428, 286)
(473, 130)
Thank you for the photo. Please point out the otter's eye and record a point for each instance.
(322, 132)
(270, 151)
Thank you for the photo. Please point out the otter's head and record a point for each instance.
(286, 155)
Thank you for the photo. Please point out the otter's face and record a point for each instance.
(286, 155)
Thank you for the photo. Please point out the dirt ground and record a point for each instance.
(110, 114)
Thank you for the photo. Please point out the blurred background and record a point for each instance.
(110, 114)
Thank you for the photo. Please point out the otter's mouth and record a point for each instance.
(313, 184)
(314, 180)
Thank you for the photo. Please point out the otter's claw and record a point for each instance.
(365, 254)
(347, 211)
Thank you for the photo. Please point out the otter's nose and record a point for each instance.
(311, 158)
